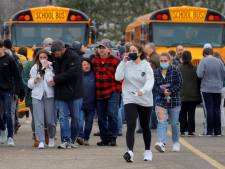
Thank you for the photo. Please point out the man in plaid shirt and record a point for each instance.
(107, 93)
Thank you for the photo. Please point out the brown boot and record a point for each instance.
(46, 137)
(36, 142)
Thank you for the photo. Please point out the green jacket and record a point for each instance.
(190, 89)
(25, 77)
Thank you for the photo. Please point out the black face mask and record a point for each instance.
(132, 56)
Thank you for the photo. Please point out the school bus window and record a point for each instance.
(51, 31)
(27, 32)
(169, 34)
(35, 33)
(73, 33)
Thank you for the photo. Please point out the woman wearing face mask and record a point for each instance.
(42, 98)
(138, 81)
(167, 87)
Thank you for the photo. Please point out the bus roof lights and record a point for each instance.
(211, 18)
(72, 18)
(217, 18)
(79, 18)
(165, 17)
(27, 17)
(21, 17)
(214, 18)
(162, 17)
(159, 17)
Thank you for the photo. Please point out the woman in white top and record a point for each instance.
(43, 98)
(138, 81)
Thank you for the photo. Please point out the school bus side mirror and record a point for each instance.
(93, 33)
(5, 31)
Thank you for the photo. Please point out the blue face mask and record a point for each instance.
(164, 65)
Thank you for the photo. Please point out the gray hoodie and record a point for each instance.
(136, 77)
(211, 70)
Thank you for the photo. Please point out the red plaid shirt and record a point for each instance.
(105, 76)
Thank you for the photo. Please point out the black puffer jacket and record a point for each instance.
(9, 75)
(68, 76)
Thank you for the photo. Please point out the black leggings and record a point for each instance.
(132, 111)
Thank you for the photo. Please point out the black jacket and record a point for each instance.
(68, 76)
(190, 89)
(9, 75)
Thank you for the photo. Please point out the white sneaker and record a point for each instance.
(41, 145)
(11, 142)
(3, 137)
(73, 145)
(129, 156)
(222, 131)
(176, 147)
(51, 143)
(160, 147)
(148, 155)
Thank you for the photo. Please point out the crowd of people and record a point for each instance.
(141, 87)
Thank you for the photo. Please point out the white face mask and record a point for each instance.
(42, 61)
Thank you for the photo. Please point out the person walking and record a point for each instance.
(138, 80)
(167, 87)
(88, 106)
(28, 100)
(68, 87)
(9, 83)
(43, 98)
(107, 93)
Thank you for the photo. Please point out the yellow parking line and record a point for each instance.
(202, 155)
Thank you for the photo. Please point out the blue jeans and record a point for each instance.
(171, 115)
(67, 109)
(5, 98)
(154, 121)
(121, 117)
(107, 110)
(86, 123)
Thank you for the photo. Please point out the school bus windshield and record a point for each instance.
(195, 35)
(34, 34)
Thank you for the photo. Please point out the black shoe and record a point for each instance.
(182, 134)
(191, 134)
(97, 134)
(217, 134)
(120, 134)
(112, 143)
(101, 143)
(139, 131)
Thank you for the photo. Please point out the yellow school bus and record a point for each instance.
(31, 26)
(191, 27)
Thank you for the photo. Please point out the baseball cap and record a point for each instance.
(106, 43)
(76, 45)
